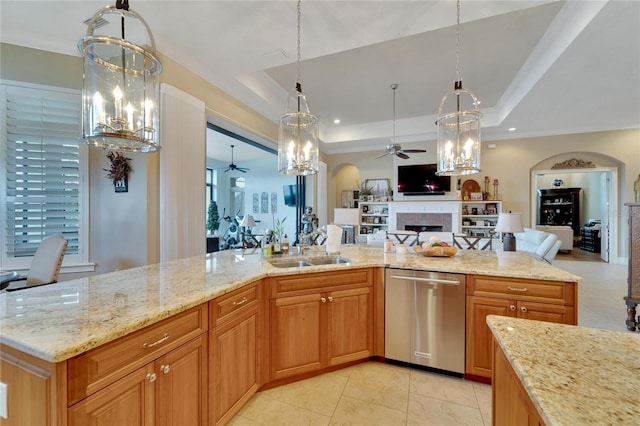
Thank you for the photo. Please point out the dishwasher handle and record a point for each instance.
(426, 280)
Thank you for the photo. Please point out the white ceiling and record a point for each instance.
(539, 66)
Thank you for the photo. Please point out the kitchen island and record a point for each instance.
(69, 334)
(564, 375)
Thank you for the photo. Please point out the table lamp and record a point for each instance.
(349, 219)
(508, 223)
(248, 222)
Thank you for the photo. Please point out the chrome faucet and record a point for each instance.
(306, 241)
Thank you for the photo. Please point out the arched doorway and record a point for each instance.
(597, 177)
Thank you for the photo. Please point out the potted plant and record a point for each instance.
(213, 218)
(366, 192)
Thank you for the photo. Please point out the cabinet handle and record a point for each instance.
(523, 308)
(151, 377)
(323, 300)
(165, 368)
(242, 302)
(157, 342)
(517, 289)
(512, 307)
(330, 298)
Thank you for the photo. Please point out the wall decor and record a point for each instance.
(274, 202)
(380, 189)
(256, 202)
(573, 163)
(119, 170)
(264, 202)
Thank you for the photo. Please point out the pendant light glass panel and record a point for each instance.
(120, 93)
(458, 137)
(298, 137)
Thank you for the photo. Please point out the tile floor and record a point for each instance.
(374, 393)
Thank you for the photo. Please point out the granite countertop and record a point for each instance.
(573, 375)
(57, 322)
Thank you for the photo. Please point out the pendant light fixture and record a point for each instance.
(459, 131)
(298, 131)
(120, 92)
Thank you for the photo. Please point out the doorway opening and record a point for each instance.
(598, 205)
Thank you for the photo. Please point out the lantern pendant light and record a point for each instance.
(459, 131)
(298, 132)
(120, 93)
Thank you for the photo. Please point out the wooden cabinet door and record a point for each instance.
(234, 365)
(479, 340)
(545, 312)
(181, 392)
(350, 328)
(296, 335)
(510, 403)
(128, 401)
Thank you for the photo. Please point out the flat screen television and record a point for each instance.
(421, 179)
(289, 195)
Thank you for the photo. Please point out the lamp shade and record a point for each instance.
(346, 216)
(509, 223)
(248, 221)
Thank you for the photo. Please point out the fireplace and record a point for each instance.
(430, 222)
(424, 228)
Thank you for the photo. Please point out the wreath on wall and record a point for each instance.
(120, 167)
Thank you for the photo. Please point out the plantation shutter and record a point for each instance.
(41, 155)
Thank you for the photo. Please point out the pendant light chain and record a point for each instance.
(458, 41)
(298, 81)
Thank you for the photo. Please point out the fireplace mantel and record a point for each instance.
(439, 209)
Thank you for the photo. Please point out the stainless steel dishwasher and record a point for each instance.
(425, 318)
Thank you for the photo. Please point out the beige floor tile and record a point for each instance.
(439, 386)
(277, 413)
(318, 394)
(256, 405)
(436, 412)
(483, 395)
(378, 383)
(355, 412)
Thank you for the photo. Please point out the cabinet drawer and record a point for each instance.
(232, 304)
(522, 289)
(302, 283)
(103, 365)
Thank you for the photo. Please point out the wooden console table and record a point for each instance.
(633, 297)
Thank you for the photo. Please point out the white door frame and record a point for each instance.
(613, 209)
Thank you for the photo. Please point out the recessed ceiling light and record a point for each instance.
(336, 121)
(512, 129)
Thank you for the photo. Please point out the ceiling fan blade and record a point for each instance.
(414, 150)
(402, 155)
(242, 169)
(383, 155)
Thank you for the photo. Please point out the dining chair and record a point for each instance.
(467, 242)
(45, 265)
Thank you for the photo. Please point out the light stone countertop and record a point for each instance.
(56, 322)
(574, 375)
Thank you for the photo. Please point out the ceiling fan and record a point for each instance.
(232, 166)
(394, 148)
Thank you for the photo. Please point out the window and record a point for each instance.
(42, 183)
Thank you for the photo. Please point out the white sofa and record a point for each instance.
(564, 234)
(543, 244)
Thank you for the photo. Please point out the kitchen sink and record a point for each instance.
(313, 261)
(280, 263)
(328, 260)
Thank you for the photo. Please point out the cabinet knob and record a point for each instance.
(151, 377)
(330, 298)
(512, 307)
(323, 300)
(523, 308)
(165, 368)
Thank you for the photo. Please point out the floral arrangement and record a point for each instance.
(120, 167)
